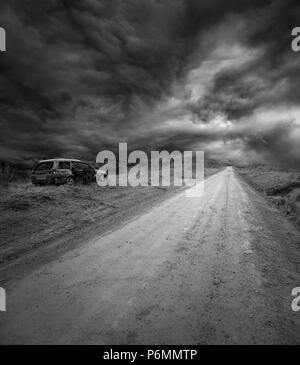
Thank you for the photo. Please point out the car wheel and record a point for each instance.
(70, 180)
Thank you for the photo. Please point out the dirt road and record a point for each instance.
(214, 270)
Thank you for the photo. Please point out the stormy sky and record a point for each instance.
(80, 76)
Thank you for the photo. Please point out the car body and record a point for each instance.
(62, 171)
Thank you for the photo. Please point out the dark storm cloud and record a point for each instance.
(276, 146)
(245, 88)
(271, 80)
(80, 76)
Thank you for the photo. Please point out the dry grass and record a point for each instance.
(281, 186)
(32, 216)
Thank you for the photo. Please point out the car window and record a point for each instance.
(44, 166)
(64, 165)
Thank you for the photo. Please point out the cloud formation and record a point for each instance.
(81, 76)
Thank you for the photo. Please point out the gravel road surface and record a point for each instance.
(213, 270)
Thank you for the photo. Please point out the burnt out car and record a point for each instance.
(62, 171)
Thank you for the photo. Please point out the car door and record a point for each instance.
(43, 171)
(63, 170)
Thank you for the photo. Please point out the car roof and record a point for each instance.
(60, 159)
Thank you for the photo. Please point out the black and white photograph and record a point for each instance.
(150, 175)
